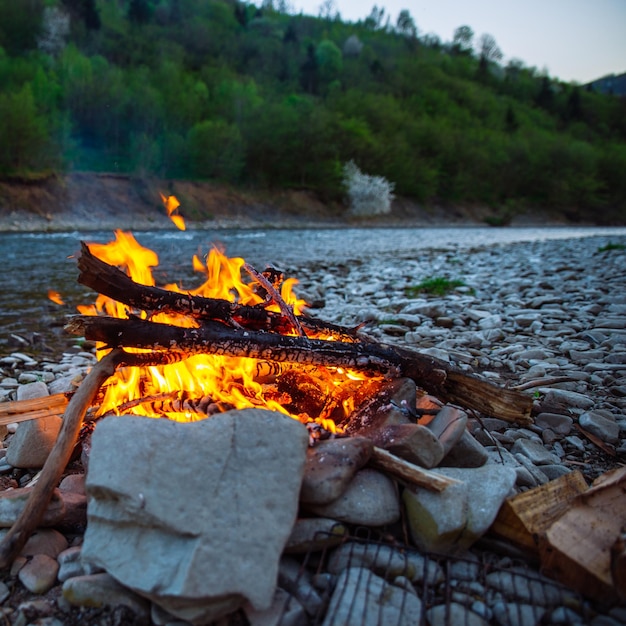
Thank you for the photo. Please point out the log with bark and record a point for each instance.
(225, 328)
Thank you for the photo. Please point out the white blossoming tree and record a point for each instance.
(368, 195)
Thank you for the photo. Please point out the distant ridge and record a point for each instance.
(611, 84)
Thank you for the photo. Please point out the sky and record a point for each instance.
(573, 40)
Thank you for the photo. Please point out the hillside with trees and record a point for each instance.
(259, 97)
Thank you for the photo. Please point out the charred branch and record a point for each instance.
(435, 376)
(112, 282)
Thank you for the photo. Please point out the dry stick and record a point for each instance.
(410, 473)
(58, 459)
(543, 382)
(285, 309)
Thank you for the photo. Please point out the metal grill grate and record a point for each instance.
(372, 580)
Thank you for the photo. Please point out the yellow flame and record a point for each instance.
(171, 206)
(226, 380)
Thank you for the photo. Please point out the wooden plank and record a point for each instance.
(24, 410)
(524, 517)
(576, 549)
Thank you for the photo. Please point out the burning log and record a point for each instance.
(434, 375)
(231, 329)
(112, 282)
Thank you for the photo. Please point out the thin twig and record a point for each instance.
(543, 382)
(285, 309)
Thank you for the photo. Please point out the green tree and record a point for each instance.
(139, 11)
(24, 143)
(215, 151)
(462, 40)
(405, 25)
(329, 61)
(21, 24)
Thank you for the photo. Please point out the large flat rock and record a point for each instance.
(195, 516)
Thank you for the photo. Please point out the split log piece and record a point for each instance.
(437, 377)
(408, 472)
(33, 408)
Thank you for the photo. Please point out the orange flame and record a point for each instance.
(55, 296)
(227, 382)
(171, 205)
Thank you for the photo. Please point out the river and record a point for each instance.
(34, 263)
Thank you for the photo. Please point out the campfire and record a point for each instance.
(186, 383)
(243, 339)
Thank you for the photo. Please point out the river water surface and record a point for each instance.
(33, 263)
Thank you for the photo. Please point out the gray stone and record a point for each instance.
(448, 426)
(99, 590)
(535, 451)
(370, 500)
(32, 391)
(70, 564)
(331, 466)
(414, 443)
(601, 424)
(567, 398)
(39, 573)
(33, 441)
(560, 424)
(538, 476)
(13, 501)
(45, 541)
(361, 598)
(74, 483)
(451, 521)
(525, 587)
(310, 534)
(295, 579)
(466, 453)
(198, 538)
(490, 322)
(381, 559)
(513, 614)
(284, 611)
(555, 471)
(454, 613)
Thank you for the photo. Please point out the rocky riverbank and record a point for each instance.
(87, 201)
(550, 316)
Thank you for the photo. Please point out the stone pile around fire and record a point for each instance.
(166, 500)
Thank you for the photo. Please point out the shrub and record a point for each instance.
(369, 195)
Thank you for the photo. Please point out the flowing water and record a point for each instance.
(34, 263)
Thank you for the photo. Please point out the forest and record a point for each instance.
(260, 97)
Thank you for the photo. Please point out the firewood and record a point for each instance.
(434, 375)
(112, 282)
(524, 517)
(576, 531)
(577, 548)
(408, 472)
(24, 410)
